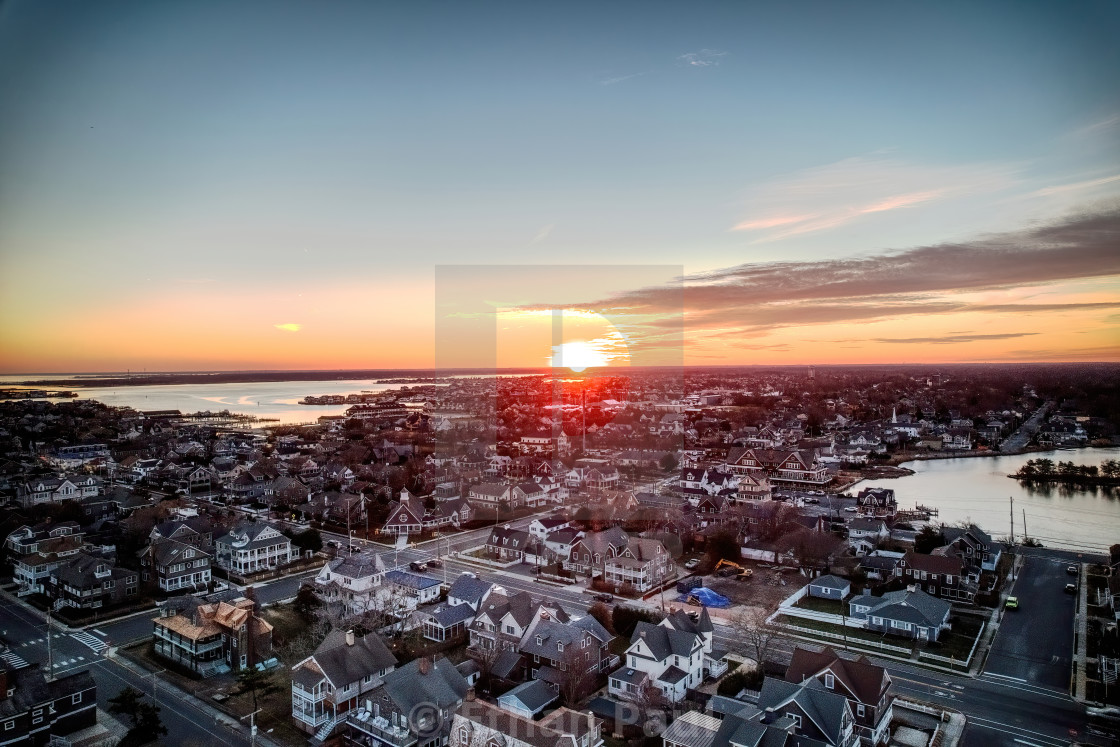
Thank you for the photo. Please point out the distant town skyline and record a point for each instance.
(273, 185)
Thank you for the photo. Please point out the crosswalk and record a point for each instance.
(15, 661)
(90, 640)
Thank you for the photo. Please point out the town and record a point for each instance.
(646, 558)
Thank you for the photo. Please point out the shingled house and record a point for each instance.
(212, 637)
(866, 686)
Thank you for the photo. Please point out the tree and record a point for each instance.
(306, 602)
(668, 463)
(745, 677)
(751, 627)
(602, 612)
(724, 544)
(577, 676)
(258, 683)
(308, 540)
(626, 618)
(928, 539)
(146, 724)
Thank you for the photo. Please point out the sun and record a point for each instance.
(578, 356)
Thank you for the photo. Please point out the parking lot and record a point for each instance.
(1035, 642)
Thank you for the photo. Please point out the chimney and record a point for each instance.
(349, 637)
(911, 588)
(470, 694)
(425, 665)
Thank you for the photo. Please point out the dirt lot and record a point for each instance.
(764, 589)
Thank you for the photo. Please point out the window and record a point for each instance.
(75, 699)
(9, 725)
(538, 640)
(464, 735)
(559, 645)
(796, 720)
(861, 709)
(829, 681)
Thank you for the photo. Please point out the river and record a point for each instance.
(977, 489)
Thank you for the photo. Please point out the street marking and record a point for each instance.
(101, 632)
(996, 725)
(14, 660)
(1003, 676)
(92, 641)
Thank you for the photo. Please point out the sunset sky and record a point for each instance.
(197, 185)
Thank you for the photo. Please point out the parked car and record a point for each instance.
(1072, 570)
(692, 563)
(1071, 588)
(1012, 603)
(851, 509)
(604, 597)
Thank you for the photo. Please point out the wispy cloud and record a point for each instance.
(703, 58)
(1100, 127)
(542, 234)
(930, 280)
(833, 195)
(620, 78)
(1076, 186)
(288, 327)
(952, 339)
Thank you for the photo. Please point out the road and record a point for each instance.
(1035, 642)
(25, 633)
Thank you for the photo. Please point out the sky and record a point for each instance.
(242, 185)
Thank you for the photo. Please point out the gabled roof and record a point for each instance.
(469, 588)
(442, 686)
(909, 606)
(825, 709)
(664, 642)
(342, 663)
(831, 582)
(860, 677)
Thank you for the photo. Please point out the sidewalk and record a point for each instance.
(990, 630)
(217, 715)
(1082, 636)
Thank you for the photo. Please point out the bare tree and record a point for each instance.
(751, 627)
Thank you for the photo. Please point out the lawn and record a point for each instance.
(854, 634)
(831, 606)
(957, 642)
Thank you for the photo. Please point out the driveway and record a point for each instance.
(1035, 642)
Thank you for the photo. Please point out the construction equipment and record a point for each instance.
(726, 569)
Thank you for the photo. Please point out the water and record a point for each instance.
(977, 489)
(278, 400)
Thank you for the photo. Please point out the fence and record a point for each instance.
(953, 661)
(851, 641)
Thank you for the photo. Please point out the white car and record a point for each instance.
(851, 509)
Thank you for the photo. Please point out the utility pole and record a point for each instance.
(1024, 525)
(50, 649)
(1012, 499)
(252, 726)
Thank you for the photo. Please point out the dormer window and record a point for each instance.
(559, 645)
(829, 681)
(538, 640)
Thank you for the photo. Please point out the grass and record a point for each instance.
(855, 634)
(831, 606)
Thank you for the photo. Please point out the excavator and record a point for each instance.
(726, 568)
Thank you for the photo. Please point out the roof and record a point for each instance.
(342, 663)
(555, 730)
(860, 677)
(947, 564)
(664, 642)
(447, 615)
(411, 580)
(908, 606)
(532, 696)
(362, 565)
(825, 709)
(442, 685)
(831, 582)
(469, 588)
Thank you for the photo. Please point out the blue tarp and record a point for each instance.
(707, 597)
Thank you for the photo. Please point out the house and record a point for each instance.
(830, 587)
(877, 502)
(468, 589)
(446, 621)
(415, 705)
(56, 489)
(641, 564)
(866, 686)
(786, 466)
(173, 565)
(39, 550)
(975, 545)
(561, 650)
(193, 530)
(85, 581)
(480, 724)
(660, 657)
(334, 680)
(742, 725)
(753, 486)
(529, 494)
(252, 547)
(871, 530)
(910, 613)
(542, 528)
(351, 581)
(38, 711)
(715, 661)
(505, 543)
(491, 496)
(500, 626)
(529, 698)
(943, 576)
(416, 588)
(211, 637)
(818, 713)
(405, 516)
(880, 564)
(590, 552)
